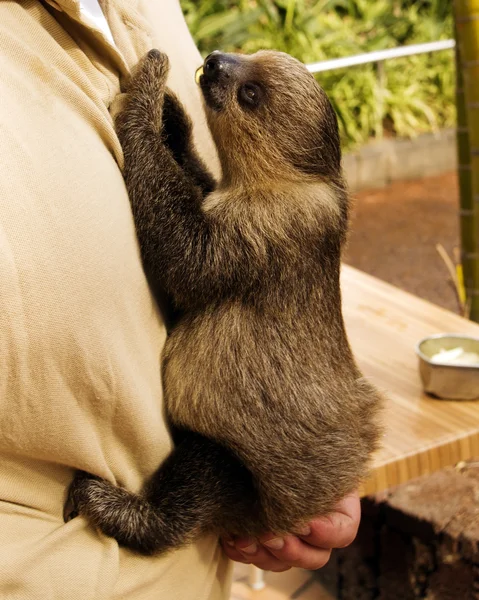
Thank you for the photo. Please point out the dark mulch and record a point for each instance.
(395, 230)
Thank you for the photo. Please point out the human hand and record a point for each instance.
(307, 549)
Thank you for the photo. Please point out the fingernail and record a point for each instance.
(275, 543)
(249, 549)
(304, 531)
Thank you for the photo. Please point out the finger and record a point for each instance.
(234, 554)
(261, 559)
(264, 563)
(339, 528)
(293, 551)
(258, 556)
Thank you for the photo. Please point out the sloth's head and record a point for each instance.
(268, 116)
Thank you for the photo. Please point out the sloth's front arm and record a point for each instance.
(196, 258)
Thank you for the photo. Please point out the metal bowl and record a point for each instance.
(448, 381)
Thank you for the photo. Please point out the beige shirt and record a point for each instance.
(80, 334)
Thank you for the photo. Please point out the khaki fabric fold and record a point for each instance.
(80, 333)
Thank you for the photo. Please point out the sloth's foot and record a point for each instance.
(77, 494)
(118, 513)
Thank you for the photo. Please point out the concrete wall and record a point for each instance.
(382, 162)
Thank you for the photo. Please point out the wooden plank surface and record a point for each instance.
(422, 434)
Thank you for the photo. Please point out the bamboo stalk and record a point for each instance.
(466, 196)
(467, 31)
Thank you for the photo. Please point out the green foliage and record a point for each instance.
(411, 95)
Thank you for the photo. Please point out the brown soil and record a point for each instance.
(395, 230)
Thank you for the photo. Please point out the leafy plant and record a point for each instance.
(411, 95)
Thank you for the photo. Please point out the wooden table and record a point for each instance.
(422, 434)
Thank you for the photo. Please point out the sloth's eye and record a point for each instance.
(250, 95)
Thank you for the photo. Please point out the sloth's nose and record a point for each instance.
(212, 65)
(218, 64)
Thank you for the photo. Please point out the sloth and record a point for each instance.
(271, 418)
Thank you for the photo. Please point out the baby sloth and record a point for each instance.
(273, 422)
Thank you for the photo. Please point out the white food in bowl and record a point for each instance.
(455, 356)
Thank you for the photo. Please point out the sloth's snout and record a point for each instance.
(219, 66)
(217, 77)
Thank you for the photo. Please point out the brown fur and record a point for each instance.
(273, 421)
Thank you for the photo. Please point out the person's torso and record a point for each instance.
(80, 333)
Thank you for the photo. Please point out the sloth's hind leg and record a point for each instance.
(201, 487)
